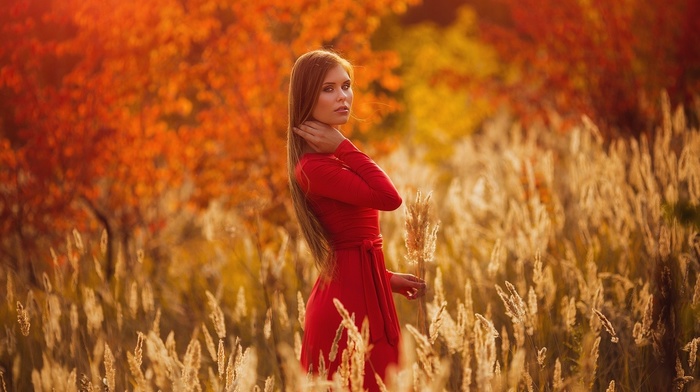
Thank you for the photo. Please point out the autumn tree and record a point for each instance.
(609, 60)
(437, 111)
(123, 115)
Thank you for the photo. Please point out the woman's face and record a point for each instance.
(335, 99)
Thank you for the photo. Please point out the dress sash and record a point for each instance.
(381, 318)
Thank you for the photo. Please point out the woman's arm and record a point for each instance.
(353, 178)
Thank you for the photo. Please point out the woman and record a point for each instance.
(337, 193)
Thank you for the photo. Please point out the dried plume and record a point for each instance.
(134, 299)
(420, 237)
(221, 358)
(267, 327)
(241, 310)
(353, 333)
(608, 326)
(191, 362)
(336, 340)
(216, 315)
(692, 348)
(557, 380)
(2, 380)
(209, 342)
(109, 369)
(542, 356)
(301, 309)
(23, 319)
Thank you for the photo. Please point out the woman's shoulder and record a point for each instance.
(311, 163)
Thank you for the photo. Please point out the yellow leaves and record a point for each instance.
(440, 75)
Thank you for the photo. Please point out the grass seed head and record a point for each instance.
(607, 325)
(23, 319)
(301, 309)
(216, 315)
(110, 372)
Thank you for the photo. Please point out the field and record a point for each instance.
(562, 262)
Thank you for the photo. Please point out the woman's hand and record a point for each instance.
(410, 286)
(319, 136)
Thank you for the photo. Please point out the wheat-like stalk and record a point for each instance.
(221, 358)
(608, 325)
(216, 315)
(557, 380)
(267, 327)
(241, 310)
(156, 322)
(2, 380)
(229, 373)
(349, 324)
(209, 342)
(192, 362)
(164, 366)
(110, 373)
(93, 311)
(281, 310)
(85, 385)
(692, 348)
(542, 356)
(269, 384)
(134, 299)
(301, 310)
(420, 239)
(23, 319)
(595, 353)
(147, 299)
(336, 340)
(10, 289)
(436, 323)
(485, 351)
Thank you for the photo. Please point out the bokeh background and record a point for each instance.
(142, 175)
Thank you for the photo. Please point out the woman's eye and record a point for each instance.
(328, 89)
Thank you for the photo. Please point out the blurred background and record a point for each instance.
(143, 142)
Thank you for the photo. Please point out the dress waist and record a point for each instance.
(363, 243)
(382, 317)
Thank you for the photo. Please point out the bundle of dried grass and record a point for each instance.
(420, 238)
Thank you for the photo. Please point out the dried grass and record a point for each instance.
(548, 244)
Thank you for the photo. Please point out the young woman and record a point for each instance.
(337, 193)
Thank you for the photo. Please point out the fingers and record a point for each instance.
(320, 137)
(414, 294)
(310, 126)
(416, 287)
(309, 130)
(416, 282)
(305, 134)
(418, 292)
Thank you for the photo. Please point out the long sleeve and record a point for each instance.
(352, 178)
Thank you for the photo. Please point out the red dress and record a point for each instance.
(346, 190)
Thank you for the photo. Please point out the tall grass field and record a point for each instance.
(556, 261)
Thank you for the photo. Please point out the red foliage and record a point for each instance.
(609, 60)
(119, 115)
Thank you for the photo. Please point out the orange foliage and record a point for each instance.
(119, 114)
(609, 60)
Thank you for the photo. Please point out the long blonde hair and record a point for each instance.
(304, 87)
